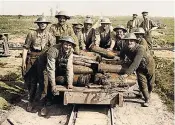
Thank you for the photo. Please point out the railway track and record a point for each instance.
(91, 115)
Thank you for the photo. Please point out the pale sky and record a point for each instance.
(104, 8)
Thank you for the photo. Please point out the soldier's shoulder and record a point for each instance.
(141, 47)
(53, 51)
(53, 25)
(69, 26)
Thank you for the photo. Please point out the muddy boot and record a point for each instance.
(44, 111)
(29, 107)
(139, 95)
(146, 103)
(70, 86)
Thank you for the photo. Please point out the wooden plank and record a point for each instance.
(120, 96)
(62, 88)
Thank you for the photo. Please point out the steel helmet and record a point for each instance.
(89, 21)
(62, 13)
(105, 20)
(41, 20)
(68, 39)
(79, 25)
(120, 27)
(139, 31)
(130, 36)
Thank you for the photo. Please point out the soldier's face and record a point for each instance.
(119, 33)
(77, 30)
(42, 26)
(87, 26)
(139, 36)
(67, 47)
(131, 43)
(105, 26)
(145, 16)
(62, 20)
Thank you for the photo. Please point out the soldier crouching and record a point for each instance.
(142, 62)
(60, 63)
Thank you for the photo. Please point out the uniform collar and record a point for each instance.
(41, 33)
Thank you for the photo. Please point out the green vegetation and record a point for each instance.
(165, 81)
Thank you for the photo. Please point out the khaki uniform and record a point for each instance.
(37, 43)
(59, 64)
(143, 63)
(133, 24)
(81, 40)
(103, 39)
(119, 45)
(144, 43)
(88, 37)
(66, 30)
(147, 25)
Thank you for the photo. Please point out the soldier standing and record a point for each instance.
(78, 32)
(148, 25)
(141, 62)
(88, 32)
(104, 37)
(133, 24)
(120, 33)
(63, 29)
(36, 43)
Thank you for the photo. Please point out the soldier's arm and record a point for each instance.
(51, 59)
(82, 44)
(51, 30)
(136, 62)
(112, 40)
(70, 72)
(26, 47)
(96, 37)
(141, 25)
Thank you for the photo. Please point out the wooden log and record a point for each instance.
(103, 52)
(115, 79)
(108, 68)
(78, 69)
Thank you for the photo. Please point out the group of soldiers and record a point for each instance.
(49, 53)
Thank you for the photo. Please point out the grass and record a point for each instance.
(165, 81)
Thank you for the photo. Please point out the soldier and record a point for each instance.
(133, 24)
(60, 61)
(139, 32)
(148, 25)
(141, 62)
(88, 32)
(79, 34)
(4, 39)
(36, 43)
(104, 37)
(63, 29)
(120, 33)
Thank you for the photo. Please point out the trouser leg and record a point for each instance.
(142, 81)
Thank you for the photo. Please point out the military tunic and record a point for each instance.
(104, 39)
(66, 30)
(36, 43)
(143, 63)
(133, 24)
(88, 37)
(147, 25)
(59, 63)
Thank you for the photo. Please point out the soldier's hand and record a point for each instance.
(23, 67)
(54, 89)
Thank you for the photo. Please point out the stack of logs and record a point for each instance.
(101, 67)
